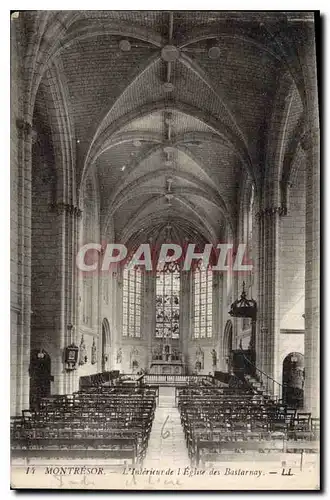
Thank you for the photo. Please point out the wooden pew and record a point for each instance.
(96, 421)
(87, 448)
(212, 418)
(222, 450)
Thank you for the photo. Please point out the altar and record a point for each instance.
(167, 368)
(167, 361)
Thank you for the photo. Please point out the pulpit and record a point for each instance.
(243, 362)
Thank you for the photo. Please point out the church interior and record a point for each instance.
(158, 127)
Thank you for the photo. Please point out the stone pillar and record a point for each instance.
(21, 136)
(116, 304)
(269, 276)
(20, 339)
(260, 334)
(222, 303)
(186, 313)
(217, 306)
(148, 300)
(74, 217)
(311, 146)
(66, 315)
(312, 276)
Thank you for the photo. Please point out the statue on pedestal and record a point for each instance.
(167, 353)
(119, 356)
(134, 362)
(214, 358)
(199, 364)
(82, 352)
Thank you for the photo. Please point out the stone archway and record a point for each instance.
(106, 343)
(293, 380)
(40, 377)
(227, 344)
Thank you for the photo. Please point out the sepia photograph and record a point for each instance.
(165, 250)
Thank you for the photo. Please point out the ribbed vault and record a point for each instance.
(171, 110)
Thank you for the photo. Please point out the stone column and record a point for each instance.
(222, 304)
(261, 321)
(268, 306)
(65, 238)
(148, 300)
(310, 144)
(74, 217)
(186, 320)
(116, 304)
(20, 339)
(217, 304)
(21, 136)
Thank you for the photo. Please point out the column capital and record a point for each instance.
(60, 207)
(271, 210)
(309, 138)
(25, 129)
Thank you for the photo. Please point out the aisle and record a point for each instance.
(167, 446)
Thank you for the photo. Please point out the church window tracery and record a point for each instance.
(203, 283)
(132, 303)
(168, 302)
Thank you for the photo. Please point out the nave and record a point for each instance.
(203, 423)
(167, 446)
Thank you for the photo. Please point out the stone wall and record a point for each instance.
(14, 217)
(292, 257)
(89, 283)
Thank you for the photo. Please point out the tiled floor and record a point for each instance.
(167, 446)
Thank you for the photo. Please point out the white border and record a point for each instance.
(5, 181)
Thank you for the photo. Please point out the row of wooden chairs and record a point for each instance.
(89, 423)
(248, 450)
(216, 418)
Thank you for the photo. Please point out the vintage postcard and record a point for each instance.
(165, 246)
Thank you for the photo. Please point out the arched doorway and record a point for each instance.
(293, 380)
(227, 345)
(40, 377)
(105, 344)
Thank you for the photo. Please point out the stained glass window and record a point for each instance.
(203, 281)
(132, 303)
(168, 303)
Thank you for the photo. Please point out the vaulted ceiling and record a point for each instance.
(169, 110)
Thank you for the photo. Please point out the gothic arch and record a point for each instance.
(227, 344)
(109, 27)
(293, 379)
(206, 33)
(40, 376)
(103, 135)
(132, 230)
(55, 87)
(105, 344)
